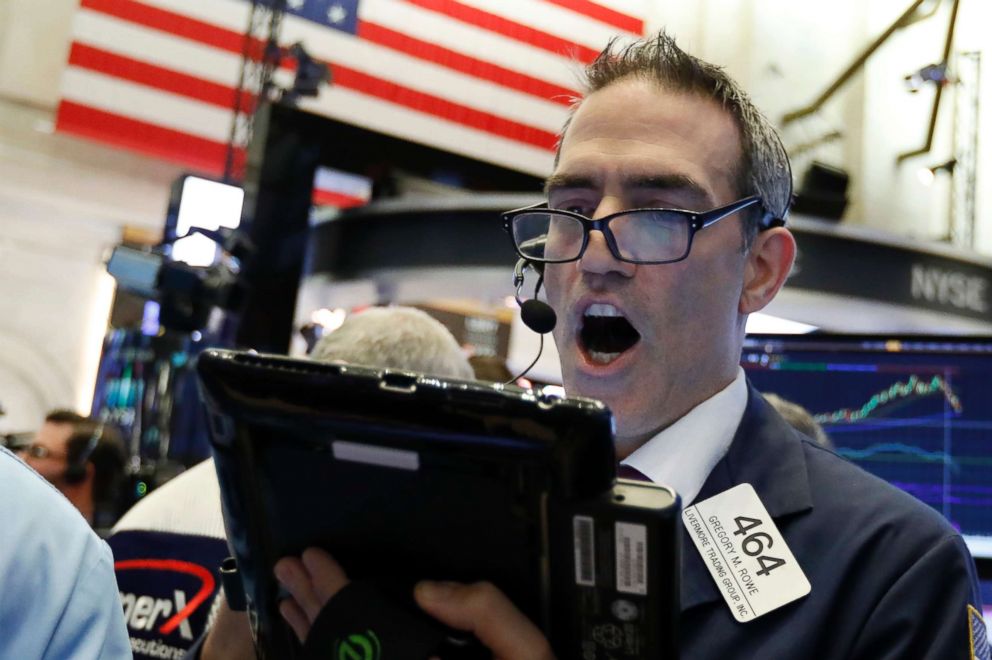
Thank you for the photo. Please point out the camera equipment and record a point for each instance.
(197, 266)
(403, 477)
(186, 294)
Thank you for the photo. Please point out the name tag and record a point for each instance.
(745, 553)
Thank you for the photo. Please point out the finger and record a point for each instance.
(326, 574)
(296, 579)
(296, 618)
(485, 611)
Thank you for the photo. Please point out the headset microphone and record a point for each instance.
(535, 314)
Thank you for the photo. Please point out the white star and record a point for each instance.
(337, 14)
(296, 4)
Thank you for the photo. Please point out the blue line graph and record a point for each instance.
(936, 421)
(897, 448)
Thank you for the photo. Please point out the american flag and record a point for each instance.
(488, 79)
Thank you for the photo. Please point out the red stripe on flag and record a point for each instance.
(469, 65)
(339, 200)
(508, 28)
(171, 23)
(442, 108)
(150, 75)
(180, 25)
(206, 156)
(603, 14)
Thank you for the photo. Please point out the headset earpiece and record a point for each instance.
(75, 472)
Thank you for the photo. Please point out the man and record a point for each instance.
(651, 312)
(58, 598)
(83, 459)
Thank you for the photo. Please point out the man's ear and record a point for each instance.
(769, 262)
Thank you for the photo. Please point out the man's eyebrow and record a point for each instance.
(558, 181)
(685, 185)
(682, 184)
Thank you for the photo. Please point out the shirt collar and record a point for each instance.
(766, 453)
(683, 455)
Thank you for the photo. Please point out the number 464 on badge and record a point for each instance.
(745, 553)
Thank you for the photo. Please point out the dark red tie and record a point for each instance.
(626, 472)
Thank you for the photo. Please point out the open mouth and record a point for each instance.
(606, 334)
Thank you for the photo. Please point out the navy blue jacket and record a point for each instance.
(890, 577)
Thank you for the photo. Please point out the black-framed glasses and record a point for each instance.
(38, 451)
(637, 236)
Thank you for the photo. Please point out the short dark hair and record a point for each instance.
(108, 456)
(764, 167)
(64, 416)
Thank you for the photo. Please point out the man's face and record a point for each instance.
(635, 145)
(48, 453)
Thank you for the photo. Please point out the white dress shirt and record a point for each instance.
(186, 504)
(683, 455)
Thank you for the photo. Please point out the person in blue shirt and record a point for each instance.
(58, 594)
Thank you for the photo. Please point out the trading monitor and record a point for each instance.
(915, 411)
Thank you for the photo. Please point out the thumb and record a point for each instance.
(485, 611)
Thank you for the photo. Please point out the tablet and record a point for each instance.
(405, 477)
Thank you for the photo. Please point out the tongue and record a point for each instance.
(606, 337)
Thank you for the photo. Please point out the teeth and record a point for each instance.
(603, 358)
(602, 309)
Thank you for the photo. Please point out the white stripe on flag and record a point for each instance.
(634, 8)
(117, 96)
(378, 115)
(228, 14)
(484, 45)
(553, 19)
(155, 47)
(344, 183)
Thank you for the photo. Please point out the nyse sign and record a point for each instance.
(949, 287)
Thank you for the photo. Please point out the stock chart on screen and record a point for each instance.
(916, 412)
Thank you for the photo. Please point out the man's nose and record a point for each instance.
(598, 258)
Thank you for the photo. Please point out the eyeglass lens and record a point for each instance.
(639, 235)
(37, 451)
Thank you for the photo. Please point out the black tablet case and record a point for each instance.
(467, 477)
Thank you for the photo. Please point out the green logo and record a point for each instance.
(360, 646)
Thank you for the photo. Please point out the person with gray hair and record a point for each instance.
(662, 232)
(184, 515)
(395, 338)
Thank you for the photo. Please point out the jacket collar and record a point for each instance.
(767, 453)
